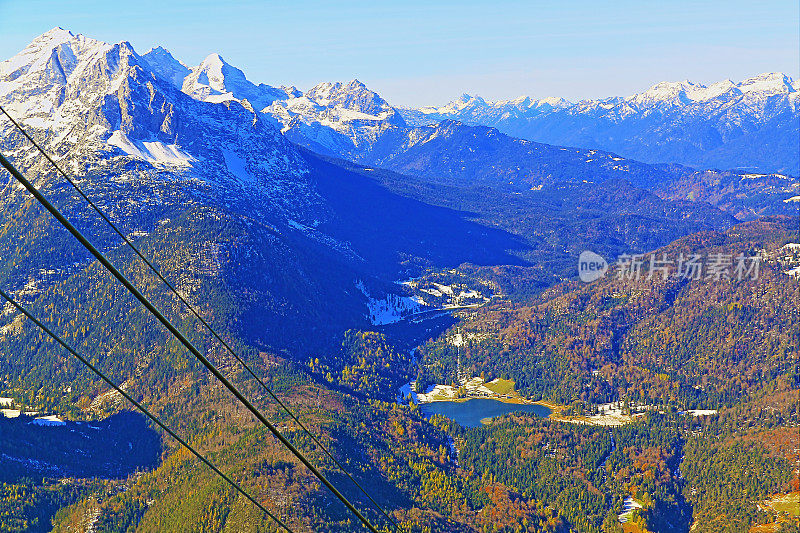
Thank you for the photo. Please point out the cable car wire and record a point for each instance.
(178, 335)
(139, 406)
(194, 312)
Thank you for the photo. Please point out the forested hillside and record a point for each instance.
(661, 347)
(672, 341)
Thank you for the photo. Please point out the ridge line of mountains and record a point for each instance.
(751, 125)
(335, 174)
(672, 122)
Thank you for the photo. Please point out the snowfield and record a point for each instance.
(390, 309)
(50, 420)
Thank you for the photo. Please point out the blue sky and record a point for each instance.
(429, 52)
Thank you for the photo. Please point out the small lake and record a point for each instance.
(470, 413)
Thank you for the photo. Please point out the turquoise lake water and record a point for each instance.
(470, 413)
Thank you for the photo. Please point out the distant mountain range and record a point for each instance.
(752, 125)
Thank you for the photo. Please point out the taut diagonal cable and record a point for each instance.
(191, 308)
(178, 335)
(139, 406)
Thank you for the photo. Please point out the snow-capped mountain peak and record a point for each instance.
(465, 101)
(51, 54)
(553, 101)
(666, 91)
(98, 105)
(336, 118)
(353, 96)
(527, 102)
(215, 80)
(60, 75)
(687, 92)
(467, 105)
(770, 83)
(163, 63)
(53, 38)
(671, 122)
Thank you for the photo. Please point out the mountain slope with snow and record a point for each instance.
(337, 119)
(101, 106)
(482, 156)
(214, 80)
(164, 64)
(752, 124)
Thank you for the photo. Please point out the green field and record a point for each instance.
(502, 386)
(789, 504)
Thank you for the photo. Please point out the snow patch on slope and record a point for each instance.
(50, 420)
(391, 309)
(154, 152)
(237, 166)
